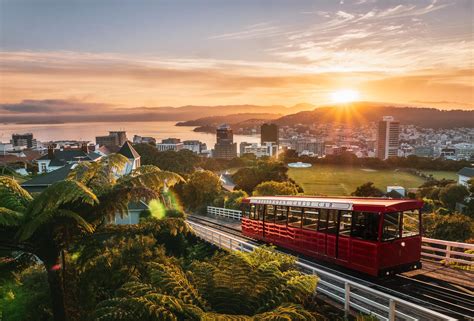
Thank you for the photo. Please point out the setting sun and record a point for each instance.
(344, 96)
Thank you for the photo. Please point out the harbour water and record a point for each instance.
(88, 131)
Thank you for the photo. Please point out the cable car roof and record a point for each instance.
(339, 203)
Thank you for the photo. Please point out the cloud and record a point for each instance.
(48, 106)
(258, 30)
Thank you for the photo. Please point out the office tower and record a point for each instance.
(388, 138)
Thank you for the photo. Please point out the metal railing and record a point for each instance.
(225, 212)
(434, 249)
(447, 251)
(352, 295)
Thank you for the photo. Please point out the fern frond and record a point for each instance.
(287, 312)
(9, 217)
(172, 280)
(12, 195)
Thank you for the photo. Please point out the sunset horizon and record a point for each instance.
(153, 54)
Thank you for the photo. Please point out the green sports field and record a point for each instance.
(442, 174)
(334, 180)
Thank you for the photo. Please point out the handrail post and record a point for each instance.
(391, 310)
(347, 298)
(448, 254)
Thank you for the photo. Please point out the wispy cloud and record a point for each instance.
(258, 30)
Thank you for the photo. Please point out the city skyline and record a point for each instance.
(171, 53)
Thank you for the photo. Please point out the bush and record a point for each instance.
(26, 297)
(452, 227)
(273, 188)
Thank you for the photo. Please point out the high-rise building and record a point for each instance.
(121, 136)
(269, 134)
(26, 140)
(225, 147)
(388, 138)
(114, 138)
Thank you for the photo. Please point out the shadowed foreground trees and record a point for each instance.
(260, 285)
(45, 225)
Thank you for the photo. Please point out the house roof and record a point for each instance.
(61, 157)
(466, 171)
(128, 151)
(47, 179)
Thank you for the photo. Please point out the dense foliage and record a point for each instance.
(247, 178)
(182, 162)
(46, 224)
(367, 190)
(272, 188)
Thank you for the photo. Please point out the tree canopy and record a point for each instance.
(273, 188)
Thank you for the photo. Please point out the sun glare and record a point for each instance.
(344, 96)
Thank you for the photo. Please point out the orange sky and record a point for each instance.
(414, 54)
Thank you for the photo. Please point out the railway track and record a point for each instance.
(449, 301)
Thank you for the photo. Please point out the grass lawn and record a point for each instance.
(335, 180)
(442, 174)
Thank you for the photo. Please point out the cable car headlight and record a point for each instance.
(403, 244)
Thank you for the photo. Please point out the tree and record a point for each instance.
(200, 190)
(234, 199)
(272, 188)
(260, 285)
(248, 178)
(452, 194)
(182, 162)
(451, 227)
(367, 190)
(45, 225)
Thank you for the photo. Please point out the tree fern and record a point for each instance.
(172, 280)
(10, 217)
(12, 195)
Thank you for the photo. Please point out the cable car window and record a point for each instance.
(245, 210)
(365, 225)
(391, 226)
(294, 216)
(310, 218)
(253, 212)
(411, 223)
(323, 220)
(345, 222)
(281, 214)
(270, 214)
(332, 222)
(260, 211)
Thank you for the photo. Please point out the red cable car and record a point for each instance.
(377, 236)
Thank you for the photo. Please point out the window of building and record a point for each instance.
(281, 214)
(270, 213)
(294, 216)
(310, 218)
(411, 223)
(345, 223)
(332, 222)
(391, 226)
(43, 167)
(365, 225)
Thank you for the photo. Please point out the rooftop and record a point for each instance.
(466, 171)
(340, 203)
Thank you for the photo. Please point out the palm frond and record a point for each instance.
(9, 217)
(12, 195)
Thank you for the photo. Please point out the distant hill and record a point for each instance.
(12, 113)
(228, 119)
(359, 113)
